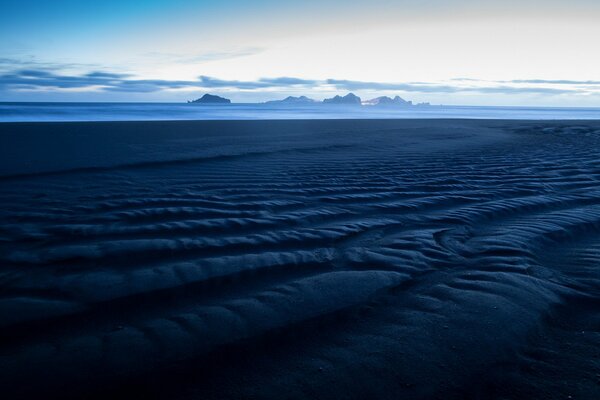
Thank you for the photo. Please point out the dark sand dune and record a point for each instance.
(300, 259)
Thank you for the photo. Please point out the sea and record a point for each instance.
(47, 112)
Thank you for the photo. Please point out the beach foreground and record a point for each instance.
(338, 259)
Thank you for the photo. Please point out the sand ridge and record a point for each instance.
(300, 259)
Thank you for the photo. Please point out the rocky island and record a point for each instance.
(211, 99)
(388, 101)
(293, 100)
(350, 99)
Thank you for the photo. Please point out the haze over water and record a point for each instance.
(22, 112)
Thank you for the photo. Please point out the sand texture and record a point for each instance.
(407, 259)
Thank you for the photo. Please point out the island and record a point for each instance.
(293, 100)
(350, 99)
(386, 101)
(211, 99)
(396, 101)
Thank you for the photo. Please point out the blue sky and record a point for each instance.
(528, 52)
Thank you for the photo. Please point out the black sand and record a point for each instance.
(375, 259)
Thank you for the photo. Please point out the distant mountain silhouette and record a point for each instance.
(293, 100)
(211, 99)
(388, 101)
(385, 100)
(350, 98)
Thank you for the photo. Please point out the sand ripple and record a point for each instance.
(387, 259)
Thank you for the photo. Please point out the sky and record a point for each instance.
(484, 52)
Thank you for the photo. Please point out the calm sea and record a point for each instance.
(20, 112)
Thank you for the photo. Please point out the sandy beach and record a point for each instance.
(300, 259)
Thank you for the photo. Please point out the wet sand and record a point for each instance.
(383, 259)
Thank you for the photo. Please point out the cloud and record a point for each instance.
(521, 90)
(405, 87)
(47, 79)
(209, 82)
(203, 57)
(31, 62)
(435, 88)
(43, 79)
(288, 81)
(554, 82)
(533, 81)
(107, 75)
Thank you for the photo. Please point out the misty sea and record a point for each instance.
(46, 112)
